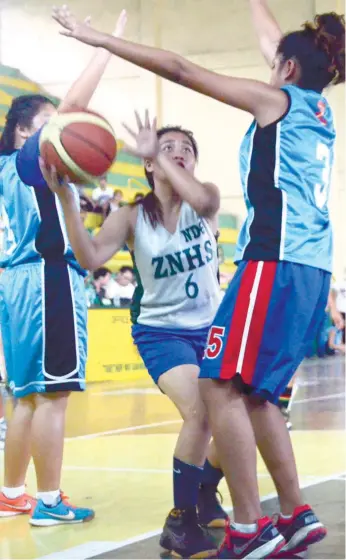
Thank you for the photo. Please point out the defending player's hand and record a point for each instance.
(54, 182)
(81, 30)
(147, 144)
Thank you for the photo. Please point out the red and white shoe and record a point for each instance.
(300, 531)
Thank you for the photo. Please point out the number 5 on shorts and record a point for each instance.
(215, 342)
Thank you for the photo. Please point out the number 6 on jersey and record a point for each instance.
(215, 342)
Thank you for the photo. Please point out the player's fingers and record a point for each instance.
(147, 120)
(138, 120)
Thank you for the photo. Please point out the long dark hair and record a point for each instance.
(319, 48)
(22, 112)
(152, 207)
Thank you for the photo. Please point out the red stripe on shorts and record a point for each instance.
(235, 335)
(248, 321)
(258, 320)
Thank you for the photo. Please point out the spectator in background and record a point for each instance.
(102, 286)
(139, 196)
(123, 287)
(335, 343)
(102, 195)
(338, 295)
(115, 202)
(106, 291)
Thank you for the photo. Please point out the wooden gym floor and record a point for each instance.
(118, 457)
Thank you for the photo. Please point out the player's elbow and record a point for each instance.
(181, 71)
(208, 206)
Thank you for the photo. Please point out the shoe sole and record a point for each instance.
(306, 536)
(267, 550)
(299, 554)
(4, 514)
(216, 524)
(52, 522)
(204, 554)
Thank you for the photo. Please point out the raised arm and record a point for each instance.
(204, 198)
(91, 252)
(82, 90)
(263, 101)
(267, 29)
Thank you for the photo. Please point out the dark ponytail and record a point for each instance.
(319, 49)
(21, 113)
(151, 205)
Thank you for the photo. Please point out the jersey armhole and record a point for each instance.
(284, 115)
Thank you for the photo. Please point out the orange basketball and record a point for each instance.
(80, 144)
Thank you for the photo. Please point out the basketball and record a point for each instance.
(80, 144)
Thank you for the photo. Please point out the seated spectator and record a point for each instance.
(102, 287)
(122, 288)
(102, 195)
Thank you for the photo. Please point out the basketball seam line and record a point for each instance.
(86, 140)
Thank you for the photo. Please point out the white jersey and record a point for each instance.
(176, 273)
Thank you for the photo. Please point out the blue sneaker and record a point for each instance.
(61, 513)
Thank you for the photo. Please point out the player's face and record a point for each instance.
(177, 147)
(42, 117)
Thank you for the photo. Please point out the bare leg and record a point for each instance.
(274, 444)
(180, 384)
(18, 443)
(236, 446)
(212, 455)
(48, 429)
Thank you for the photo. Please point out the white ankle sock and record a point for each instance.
(285, 516)
(245, 527)
(13, 493)
(50, 498)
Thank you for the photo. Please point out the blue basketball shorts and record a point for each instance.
(43, 318)
(163, 349)
(267, 319)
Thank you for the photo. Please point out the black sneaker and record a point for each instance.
(183, 537)
(210, 512)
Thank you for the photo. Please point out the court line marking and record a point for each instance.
(134, 391)
(133, 470)
(93, 548)
(125, 430)
(157, 425)
(321, 398)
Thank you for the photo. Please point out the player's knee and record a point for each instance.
(197, 418)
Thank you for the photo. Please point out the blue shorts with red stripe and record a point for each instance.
(268, 317)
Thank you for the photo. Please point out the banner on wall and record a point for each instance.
(112, 356)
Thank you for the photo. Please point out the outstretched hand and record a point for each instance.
(147, 143)
(81, 30)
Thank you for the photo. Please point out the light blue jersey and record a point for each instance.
(34, 227)
(285, 174)
(43, 314)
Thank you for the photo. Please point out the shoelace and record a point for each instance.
(65, 499)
